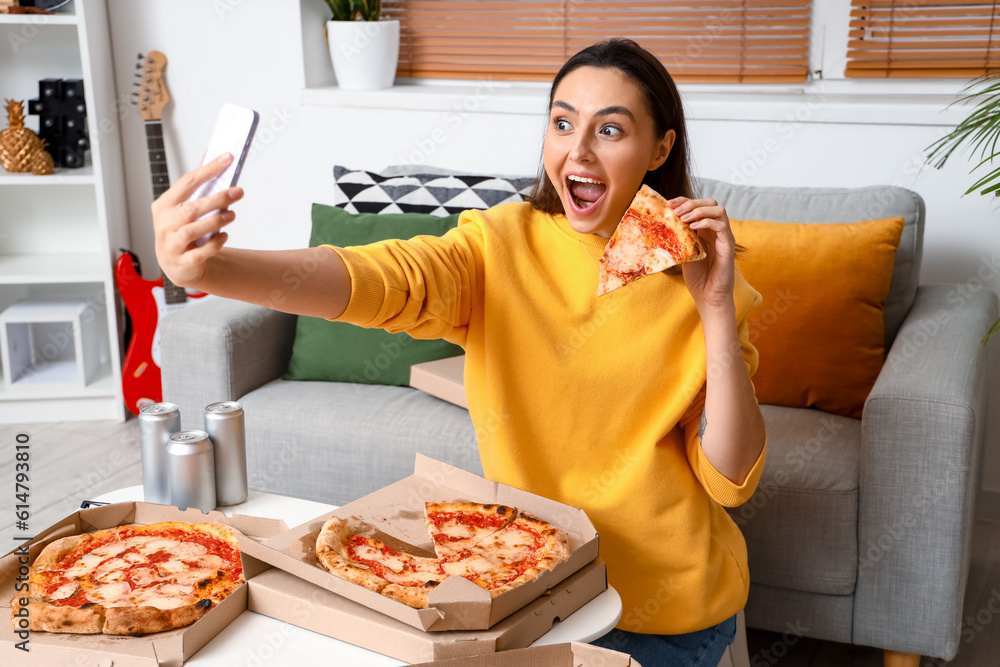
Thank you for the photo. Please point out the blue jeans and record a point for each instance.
(703, 648)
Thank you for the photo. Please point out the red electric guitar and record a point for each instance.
(148, 300)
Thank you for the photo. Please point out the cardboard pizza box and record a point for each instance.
(443, 378)
(573, 654)
(169, 648)
(398, 511)
(288, 598)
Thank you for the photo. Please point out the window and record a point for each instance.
(917, 39)
(710, 41)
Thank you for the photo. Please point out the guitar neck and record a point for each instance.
(158, 172)
(160, 178)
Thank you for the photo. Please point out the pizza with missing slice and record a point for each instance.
(494, 546)
(650, 238)
(130, 580)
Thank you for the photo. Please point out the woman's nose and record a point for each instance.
(583, 149)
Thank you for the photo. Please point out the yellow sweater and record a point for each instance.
(594, 402)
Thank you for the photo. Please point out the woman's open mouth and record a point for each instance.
(585, 193)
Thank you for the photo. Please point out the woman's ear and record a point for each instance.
(662, 150)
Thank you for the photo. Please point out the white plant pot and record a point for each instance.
(364, 53)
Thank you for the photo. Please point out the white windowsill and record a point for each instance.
(821, 101)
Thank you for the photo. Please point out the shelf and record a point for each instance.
(52, 268)
(47, 385)
(62, 176)
(38, 19)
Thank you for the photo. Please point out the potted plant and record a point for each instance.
(981, 128)
(364, 49)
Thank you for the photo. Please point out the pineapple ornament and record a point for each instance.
(21, 149)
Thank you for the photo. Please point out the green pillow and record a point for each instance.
(341, 352)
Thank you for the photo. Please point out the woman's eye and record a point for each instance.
(562, 124)
(611, 130)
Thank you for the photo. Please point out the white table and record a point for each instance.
(255, 639)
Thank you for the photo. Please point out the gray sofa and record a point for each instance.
(865, 540)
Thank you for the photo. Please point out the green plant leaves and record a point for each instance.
(981, 129)
(348, 10)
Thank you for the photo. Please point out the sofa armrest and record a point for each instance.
(218, 350)
(922, 440)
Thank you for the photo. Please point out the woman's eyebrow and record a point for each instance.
(606, 111)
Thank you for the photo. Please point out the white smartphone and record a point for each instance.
(233, 133)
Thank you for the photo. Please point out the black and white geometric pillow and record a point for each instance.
(359, 191)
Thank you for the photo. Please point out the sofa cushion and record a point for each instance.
(822, 205)
(801, 524)
(342, 352)
(360, 191)
(820, 329)
(334, 442)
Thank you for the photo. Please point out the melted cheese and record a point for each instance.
(181, 573)
(477, 565)
(630, 249)
(110, 567)
(164, 596)
(64, 591)
(394, 562)
(146, 546)
(84, 566)
(142, 576)
(113, 594)
(110, 549)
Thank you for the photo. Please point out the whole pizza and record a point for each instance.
(131, 580)
(494, 546)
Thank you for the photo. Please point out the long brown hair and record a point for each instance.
(672, 178)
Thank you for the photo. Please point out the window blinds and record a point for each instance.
(911, 38)
(710, 41)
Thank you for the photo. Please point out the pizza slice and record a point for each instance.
(650, 238)
(455, 527)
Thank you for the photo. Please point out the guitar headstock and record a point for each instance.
(152, 93)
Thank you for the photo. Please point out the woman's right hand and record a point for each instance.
(176, 224)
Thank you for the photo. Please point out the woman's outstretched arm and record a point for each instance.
(310, 281)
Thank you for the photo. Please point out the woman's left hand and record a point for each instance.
(709, 280)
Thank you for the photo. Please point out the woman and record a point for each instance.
(636, 406)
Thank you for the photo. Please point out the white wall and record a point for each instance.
(250, 52)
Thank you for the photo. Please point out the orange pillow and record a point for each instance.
(820, 330)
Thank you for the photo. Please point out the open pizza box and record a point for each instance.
(285, 597)
(572, 654)
(397, 512)
(169, 648)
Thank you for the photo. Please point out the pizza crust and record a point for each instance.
(331, 551)
(147, 620)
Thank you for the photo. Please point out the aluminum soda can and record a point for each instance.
(191, 470)
(157, 421)
(225, 426)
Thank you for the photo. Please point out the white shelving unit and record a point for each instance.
(59, 234)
